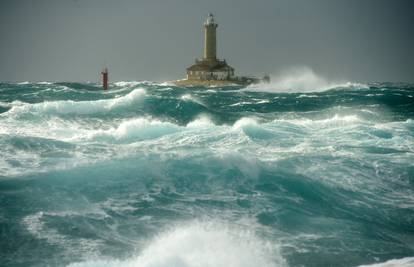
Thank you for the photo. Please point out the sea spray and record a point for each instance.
(207, 244)
(301, 79)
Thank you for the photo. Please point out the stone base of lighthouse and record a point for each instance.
(204, 83)
(236, 81)
(213, 73)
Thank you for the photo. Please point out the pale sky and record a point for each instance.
(71, 40)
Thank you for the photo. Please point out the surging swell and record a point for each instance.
(207, 244)
(146, 128)
(329, 150)
(270, 140)
(78, 107)
(138, 128)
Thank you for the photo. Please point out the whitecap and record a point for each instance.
(127, 84)
(265, 101)
(332, 121)
(136, 129)
(241, 103)
(79, 107)
(189, 97)
(245, 121)
(306, 96)
(23, 83)
(207, 244)
(404, 262)
(44, 83)
(201, 122)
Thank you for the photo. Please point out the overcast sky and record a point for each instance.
(71, 40)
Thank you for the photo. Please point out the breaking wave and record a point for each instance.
(405, 262)
(137, 129)
(201, 244)
(301, 80)
(78, 107)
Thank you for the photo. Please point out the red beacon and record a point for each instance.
(105, 78)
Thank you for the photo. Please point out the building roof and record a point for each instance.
(207, 66)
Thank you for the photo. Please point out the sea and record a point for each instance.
(148, 174)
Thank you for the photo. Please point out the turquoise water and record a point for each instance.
(152, 175)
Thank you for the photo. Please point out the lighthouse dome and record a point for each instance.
(210, 19)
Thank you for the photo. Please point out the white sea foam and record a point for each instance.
(5, 104)
(307, 96)
(127, 84)
(189, 97)
(241, 103)
(137, 129)
(302, 80)
(36, 226)
(244, 122)
(264, 101)
(201, 244)
(336, 120)
(79, 107)
(166, 84)
(186, 97)
(128, 130)
(404, 262)
(144, 128)
(44, 83)
(283, 137)
(201, 122)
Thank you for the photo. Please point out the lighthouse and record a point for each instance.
(210, 40)
(209, 68)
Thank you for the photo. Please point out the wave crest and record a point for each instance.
(202, 244)
(79, 107)
(301, 80)
(138, 129)
(404, 262)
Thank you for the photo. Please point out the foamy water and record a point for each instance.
(299, 172)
